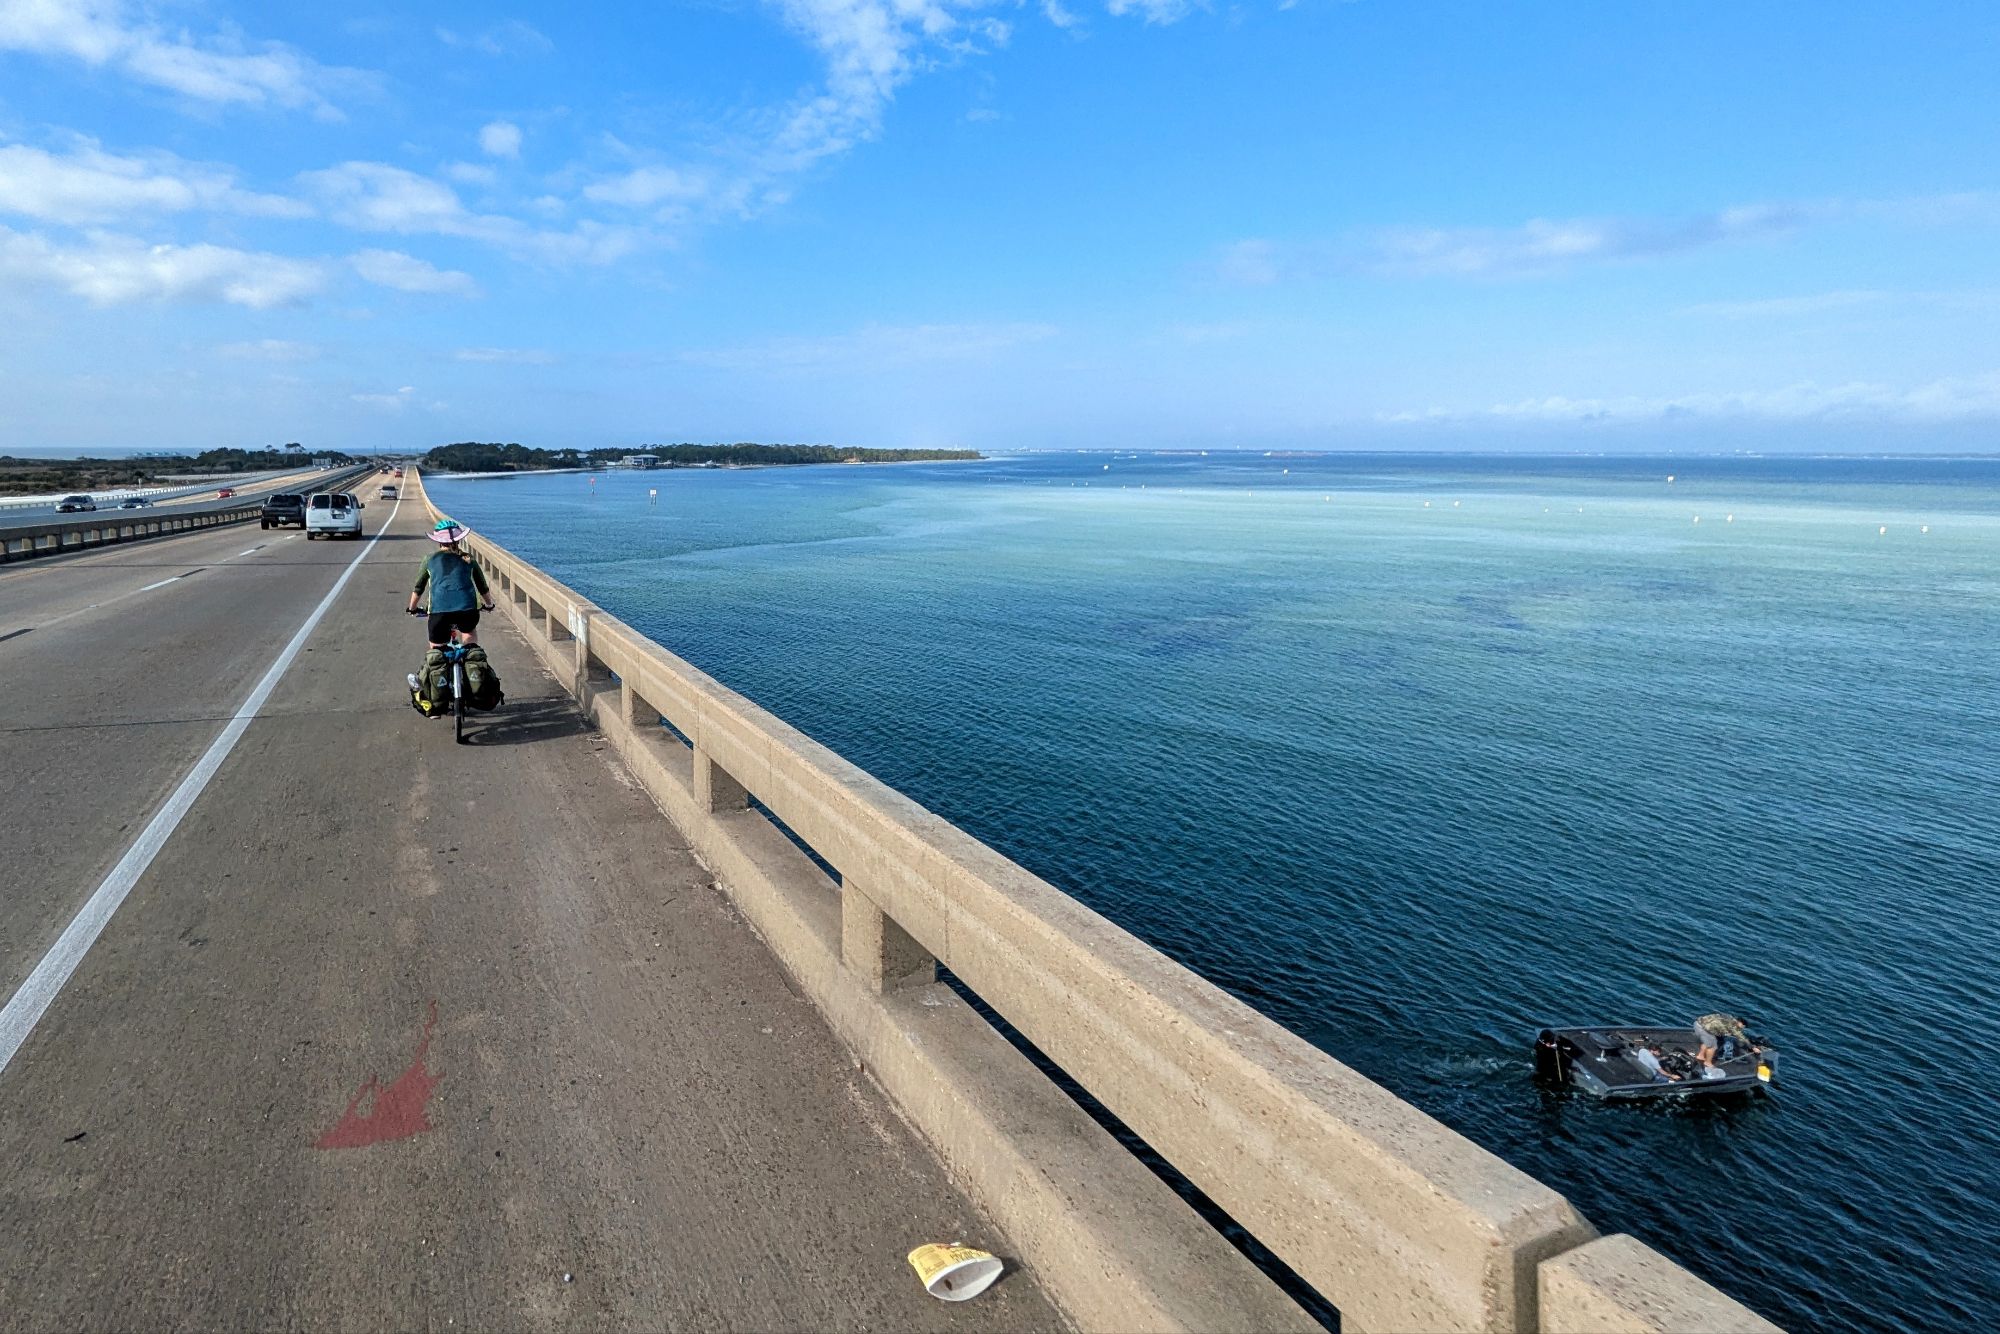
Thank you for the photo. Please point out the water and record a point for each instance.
(1416, 754)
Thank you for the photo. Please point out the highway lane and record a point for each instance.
(595, 1099)
(33, 594)
(204, 501)
(108, 705)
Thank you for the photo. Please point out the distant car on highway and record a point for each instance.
(225, 493)
(333, 514)
(388, 493)
(135, 503)
(75, 505)
(281, 508)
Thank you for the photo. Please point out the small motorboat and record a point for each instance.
(1607, 1061)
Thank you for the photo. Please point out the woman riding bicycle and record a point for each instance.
(457, 586)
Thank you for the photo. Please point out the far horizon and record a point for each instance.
(1802, 455)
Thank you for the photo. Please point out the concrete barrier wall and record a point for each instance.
(1399, 1221)
(57, 536)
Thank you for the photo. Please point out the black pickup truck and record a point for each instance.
(283, 507)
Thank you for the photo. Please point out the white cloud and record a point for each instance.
(1153, 11)
(507, 356)
(406, 273)
(871, 48)
(500, 139)
(1542, 245)
(399, 401)
(877, 345)
(269, 349)
(225, 70)
(1054, 12)
(1959, 398)
(647, 186)
(89, 185)
(471, 173)
(373, 196)
(395, 402)
(114, 270)
(507, 38)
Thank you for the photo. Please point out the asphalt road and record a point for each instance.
(393, 1033)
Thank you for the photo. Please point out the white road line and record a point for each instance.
(251, 552)
(162, 584)
(32, 1001)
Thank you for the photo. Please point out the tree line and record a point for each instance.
(473, 456)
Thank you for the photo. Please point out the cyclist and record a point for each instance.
(458, 588)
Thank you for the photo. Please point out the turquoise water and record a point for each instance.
(1419, 753)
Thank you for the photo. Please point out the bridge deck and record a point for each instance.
(596, 1100)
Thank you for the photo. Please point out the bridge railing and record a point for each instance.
(1400, 1222)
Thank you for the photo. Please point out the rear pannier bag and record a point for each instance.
(434, 681)
(482, 683)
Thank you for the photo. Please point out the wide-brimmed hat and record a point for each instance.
(446, 532)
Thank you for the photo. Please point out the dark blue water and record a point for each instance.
(1418, 753)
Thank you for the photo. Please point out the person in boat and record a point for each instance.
(1647, 1058)
(1721, 1036)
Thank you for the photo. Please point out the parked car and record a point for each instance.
(333, 514)
(75, 505)
(388, 493)
(281, 508)
(135, 503)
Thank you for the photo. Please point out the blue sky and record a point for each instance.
(1292, 223)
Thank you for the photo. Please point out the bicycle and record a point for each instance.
(454, 650)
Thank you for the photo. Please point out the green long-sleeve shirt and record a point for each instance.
(456, 584)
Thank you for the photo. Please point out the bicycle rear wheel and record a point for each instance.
(458, 702)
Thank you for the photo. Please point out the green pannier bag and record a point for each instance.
(434, 681)
(482, 683)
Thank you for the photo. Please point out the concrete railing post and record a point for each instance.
(876, 949)
(715, 790)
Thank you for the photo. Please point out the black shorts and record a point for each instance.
(442, 623)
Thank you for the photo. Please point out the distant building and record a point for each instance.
(640, 461)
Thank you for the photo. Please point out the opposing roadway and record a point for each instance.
(392, 1033)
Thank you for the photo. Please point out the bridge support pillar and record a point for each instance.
(715, 790)
(876, 950)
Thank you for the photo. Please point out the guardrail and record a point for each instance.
(105, 527)
(1399, 1221)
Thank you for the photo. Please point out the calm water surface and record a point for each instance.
(1417, 754)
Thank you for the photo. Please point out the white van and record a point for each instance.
(333, 514)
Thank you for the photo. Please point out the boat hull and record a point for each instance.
(1600, 1061)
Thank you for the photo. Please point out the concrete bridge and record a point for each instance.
(312, 1018)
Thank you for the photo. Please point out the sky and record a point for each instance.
(1307, 224)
